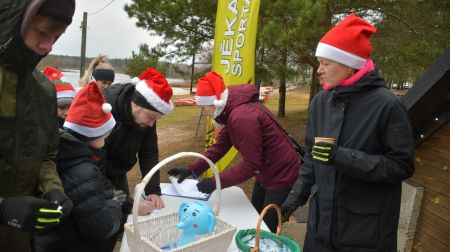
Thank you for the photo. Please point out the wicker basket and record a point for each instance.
(292, 245)
(155, 232)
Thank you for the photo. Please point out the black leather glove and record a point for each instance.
(181, 172)
(324, 152)
(287, 209)
(58, 197)
(206, 186)
(120, 196)
(29, 214)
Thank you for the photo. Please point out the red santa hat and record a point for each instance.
(64, 91)
(89, 115)
(348, 42)
(211, 90)
(153, 92)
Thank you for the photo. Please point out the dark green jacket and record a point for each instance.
(28, 120)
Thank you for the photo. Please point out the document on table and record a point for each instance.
(186, 189)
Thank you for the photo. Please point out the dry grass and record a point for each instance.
(176, 133)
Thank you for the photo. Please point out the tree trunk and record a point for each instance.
(282, 89)
(315, 85)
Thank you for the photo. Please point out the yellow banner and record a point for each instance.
(234, 54)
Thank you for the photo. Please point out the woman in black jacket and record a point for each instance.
(96, 215)
(354, 182)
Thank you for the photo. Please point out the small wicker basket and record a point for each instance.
(155, 232)
(292, 245)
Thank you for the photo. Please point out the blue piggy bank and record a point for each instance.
(194, 218)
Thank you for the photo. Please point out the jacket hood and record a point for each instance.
(15, 56)
(237, 95)
(367, 82)
(120, 97)
(71, 151)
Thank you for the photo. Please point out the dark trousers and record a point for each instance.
(262, 197)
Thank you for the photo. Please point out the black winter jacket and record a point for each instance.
(127, 139)
(355, 203)
(95, 217)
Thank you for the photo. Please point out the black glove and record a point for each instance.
(120, 196)
(324, 152)
(206, 186)
(29, 214)
(183, 172)
(287, 209)
(58, 197)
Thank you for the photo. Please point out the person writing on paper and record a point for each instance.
(267, 152)
(353, 176)
(136, 107)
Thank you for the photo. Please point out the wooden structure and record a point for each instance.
(428, 104)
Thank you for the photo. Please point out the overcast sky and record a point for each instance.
(109, 32)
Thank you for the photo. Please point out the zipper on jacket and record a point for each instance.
(17, 128)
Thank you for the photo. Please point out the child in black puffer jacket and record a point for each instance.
(96, 215)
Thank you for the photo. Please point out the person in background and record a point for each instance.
(96, 214)
(355, 180)
(136, 109)
(101, 70)
(31, 194)
(64, 92)
(268, 154)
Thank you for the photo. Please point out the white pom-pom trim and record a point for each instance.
(219, 103)
(135, 80)
(106, 107)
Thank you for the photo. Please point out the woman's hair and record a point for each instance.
(100, 62)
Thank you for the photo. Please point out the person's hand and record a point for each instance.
(29, 214)
(181, 172)
(206, 186)
(157, 201)
(120, 196)
(324, 152)
(287, 209)
(58, 197)
(146, 206)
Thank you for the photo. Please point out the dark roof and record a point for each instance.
(428, 101)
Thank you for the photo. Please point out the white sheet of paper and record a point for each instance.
(187, 188)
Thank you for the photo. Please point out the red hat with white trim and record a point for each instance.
(64, 91)
(211, 90)
(348, 42)
(153, 92)
(90, 115)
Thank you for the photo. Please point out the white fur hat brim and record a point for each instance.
(153, 98)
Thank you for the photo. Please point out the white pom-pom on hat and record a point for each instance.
(135, 80)
(106, 107)
(219, 103)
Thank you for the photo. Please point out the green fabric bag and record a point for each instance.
(292, 245)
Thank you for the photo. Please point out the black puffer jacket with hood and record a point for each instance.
(95, 216)
(28, 119)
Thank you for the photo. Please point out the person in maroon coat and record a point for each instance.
(267, 152)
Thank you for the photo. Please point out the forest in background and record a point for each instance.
(177, 70)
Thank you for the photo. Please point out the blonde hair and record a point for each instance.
(100, 62)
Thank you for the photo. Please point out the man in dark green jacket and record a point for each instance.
(31, 195)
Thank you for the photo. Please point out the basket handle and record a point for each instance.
(258, 228)
(139, 189)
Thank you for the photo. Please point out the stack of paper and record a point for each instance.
(186, 189)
